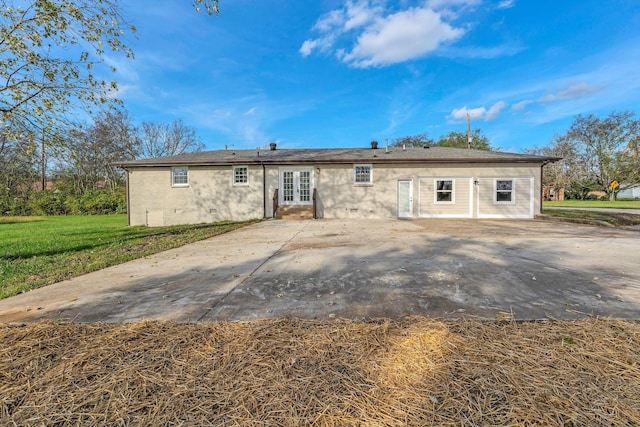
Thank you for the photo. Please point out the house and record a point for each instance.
(429, 182)
(629, 193)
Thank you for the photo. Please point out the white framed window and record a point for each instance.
(180, 176)
(444, 191)
(504, 191)
(362, 175)
(240, 175)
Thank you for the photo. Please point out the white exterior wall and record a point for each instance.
(209, 197)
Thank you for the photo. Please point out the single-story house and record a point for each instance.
(429, 182)
(629, 193)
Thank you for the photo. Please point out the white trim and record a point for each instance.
(364, 184)
(233, 176)
(512, 191)
(452, 191)
(180, 184)
(410, 181)
(296, 184)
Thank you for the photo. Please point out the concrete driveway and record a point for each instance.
(361, 269)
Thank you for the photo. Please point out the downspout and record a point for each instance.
(541, 189)
(264, 190)
(128, 200)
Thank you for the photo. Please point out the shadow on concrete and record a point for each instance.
(360, 269)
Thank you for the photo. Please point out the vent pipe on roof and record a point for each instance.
(272, 146)
(386, 145)
(374, 144)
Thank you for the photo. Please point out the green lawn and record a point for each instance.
(618, 204)
(38, 251)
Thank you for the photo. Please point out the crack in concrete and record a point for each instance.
(266, 260)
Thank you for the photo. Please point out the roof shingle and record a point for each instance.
(339, 155)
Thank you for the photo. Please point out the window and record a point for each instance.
(180, 177)
(504, 191)
(362, 174)
(240, 175)
(444, 191)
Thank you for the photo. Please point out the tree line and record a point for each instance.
(76, 168)
(53, 68)
(599, 154)
(478, 140)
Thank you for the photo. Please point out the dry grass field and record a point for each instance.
(292, 372)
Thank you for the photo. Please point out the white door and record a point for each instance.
(405, 198)
(297, 186)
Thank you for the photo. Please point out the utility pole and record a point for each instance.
(44, 166)
(468, 131)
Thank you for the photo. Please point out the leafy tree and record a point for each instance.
(460, 140)
(608, 149)
(48, 52)
(163, 139)
(210, 6)
(418, 140)
(50, 57)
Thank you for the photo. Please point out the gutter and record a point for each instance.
(376, 160)
(126, 181)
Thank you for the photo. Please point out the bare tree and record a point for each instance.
(570, 173)
(166, 139)
(89, 152)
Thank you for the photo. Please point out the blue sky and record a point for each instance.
(329, 73)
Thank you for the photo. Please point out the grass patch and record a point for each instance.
(45, 250)
(618, 204)
(613, 218)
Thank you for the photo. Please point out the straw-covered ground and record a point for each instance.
(417, 371)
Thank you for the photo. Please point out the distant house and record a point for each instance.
(629, 193)
(434, 182)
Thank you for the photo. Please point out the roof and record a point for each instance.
(338, 156)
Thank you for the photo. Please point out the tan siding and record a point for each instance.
(461, 208)
(522, 206)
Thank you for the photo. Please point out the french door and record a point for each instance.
(296, 186)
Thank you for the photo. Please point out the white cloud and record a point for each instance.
(494, 111)
(506, 4)
(331, 20)
(384, 36)
(307, 47)
(400, 37)
(576, 91)
(360, 14)
(520, 105)
(480, 113)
